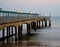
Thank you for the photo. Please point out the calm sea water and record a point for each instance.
(50, 35)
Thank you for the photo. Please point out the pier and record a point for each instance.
(10, 20)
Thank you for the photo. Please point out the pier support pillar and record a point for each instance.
(9, 30)
(34, 26)
(19, 32)
(28, 29)
(42, 23)
(3, 35)
(49, 23)
(39, 25)
(7, 34)
(45, 23)
(15, 34)
(12, 30)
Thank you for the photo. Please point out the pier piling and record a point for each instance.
(9, 30)
(45, 23)
(7, 35)
(42, 23)
(12, 29)
(3, 33)
(15, 34)
(49, 23)
(39, 25)
(28, 29)
(19, 32)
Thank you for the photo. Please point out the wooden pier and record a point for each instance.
(9, 19)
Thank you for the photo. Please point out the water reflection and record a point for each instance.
(45, 37)
(24, 40)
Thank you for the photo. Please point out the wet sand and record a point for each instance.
(26, 44)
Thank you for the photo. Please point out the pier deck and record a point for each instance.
(11, 20)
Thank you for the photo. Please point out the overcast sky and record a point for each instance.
(38, 6)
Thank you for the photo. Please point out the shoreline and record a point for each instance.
(28, 44)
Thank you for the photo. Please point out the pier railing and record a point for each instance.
(12, 13)
(10, 16)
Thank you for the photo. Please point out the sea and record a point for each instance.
(49, 35)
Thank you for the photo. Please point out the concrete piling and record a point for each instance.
(12, 30)
(42, 23)
(39, 25)
(19, 32)
(7, 35)
(15, 34)
(28, 29)
(49, 23)
(45, 23)
(3, 35)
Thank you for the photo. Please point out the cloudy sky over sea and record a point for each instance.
(36, 6)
